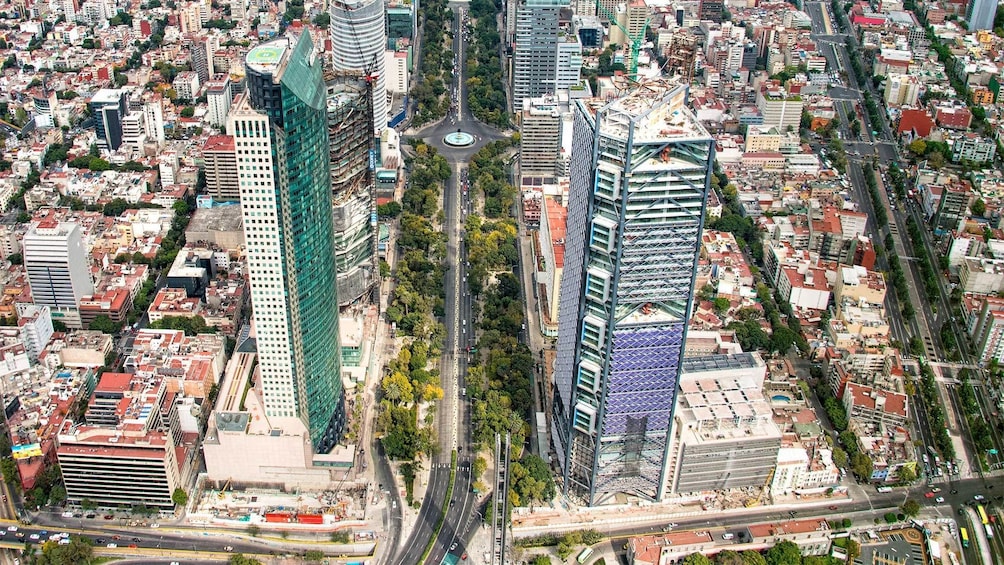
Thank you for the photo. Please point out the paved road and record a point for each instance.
(452, 415)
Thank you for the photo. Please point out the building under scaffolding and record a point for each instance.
(353, 158)
(681, 53)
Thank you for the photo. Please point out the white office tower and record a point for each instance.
(153, 120)
(359, 39)
(55, 259)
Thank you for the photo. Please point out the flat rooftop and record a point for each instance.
(266, 57)
(657, 109)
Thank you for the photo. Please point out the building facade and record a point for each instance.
(349, 107)
(108, 108)
(639, 182)
(220, 164)
(280, 126)
(360, 39)
(55, 260)
(535, 49)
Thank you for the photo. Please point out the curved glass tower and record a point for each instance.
(281, 137)
(359, 38)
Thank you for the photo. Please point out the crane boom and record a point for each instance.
(636, 41)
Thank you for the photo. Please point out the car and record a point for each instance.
(91, 516)
(67, 514)
(940, 500)
(99, 540)
(935, 489)
(112, 545)
(19, 535)
(728, 536)
(928, 495)
(116, 537)
(135, 539)
(44, 532)
(64, 541)
(109, 517)
(154, 525)
(464, 557)
(34, 537)
(454, 546)
(833, 507)
(228, 548)
(133, 546)
(11, 528)
(979, 498)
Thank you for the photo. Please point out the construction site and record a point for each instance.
(273, 508)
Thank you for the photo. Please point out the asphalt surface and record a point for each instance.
(452, 415)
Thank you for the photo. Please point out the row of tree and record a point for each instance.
(428, 93)
(417, 298)
(486, 93)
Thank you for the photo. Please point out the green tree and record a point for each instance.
(314, 555)
(16, 258)
(728, 557)
(78, 551)
(57, 494)
(751, 557)
(782, 339)
(88, 504)
(696, 559)
(540, 560)
(187, 112)
(784, 553)
(241, 559)
(979, 207)
(104, 324)
(179, 496)
(322, 20)
(115, 208)
(341, 536)
(722, 304)
(917, 147)
(9, 468)
(911, 507)
(907, 474)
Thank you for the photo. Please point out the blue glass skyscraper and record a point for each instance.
(640, 173)
(281, 139)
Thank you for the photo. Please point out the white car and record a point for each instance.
(112, 545)
(940, 499)
(11, 528)
(64, 541)
(34, 537)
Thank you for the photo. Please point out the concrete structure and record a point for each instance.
(129, 451)
(353, 202)
(779, 109)
(640, 173)
(902, 90)
(723, 433)
(108, 107)
(280, 127)
(359, 45)
(980, 14)
(219, 95)
(535, 49)
(398, 73)
(220, 165)
(540, 135)
(222, 226)
(55, 260)
(187, 85)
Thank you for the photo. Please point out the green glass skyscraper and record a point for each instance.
(281, 139)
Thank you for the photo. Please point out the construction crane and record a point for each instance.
(635, 40)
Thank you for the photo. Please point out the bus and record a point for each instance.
(884, 489)
(983, 514)
(584, 555)
(965, 537)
